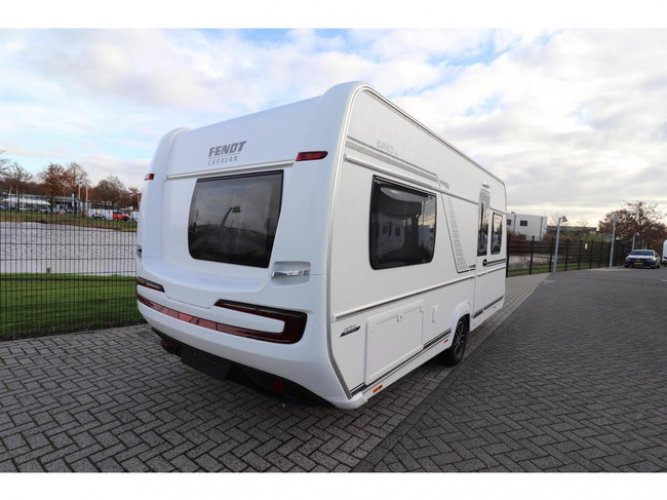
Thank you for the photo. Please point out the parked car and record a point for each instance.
(124, 216)
(643, 258)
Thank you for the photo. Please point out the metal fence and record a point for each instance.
(539, 256)
(63, 272)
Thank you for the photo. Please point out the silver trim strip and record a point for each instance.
(344, 314)
(405, 178)
(231, 170)
(481, 311)
(362, 147)
(425, 348)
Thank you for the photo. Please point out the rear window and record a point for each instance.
(234, 219)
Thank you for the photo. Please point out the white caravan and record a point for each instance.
(332, 245)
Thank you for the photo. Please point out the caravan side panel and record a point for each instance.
(387, 319)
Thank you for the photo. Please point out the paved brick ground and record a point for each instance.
(574, 380)
(114, 401)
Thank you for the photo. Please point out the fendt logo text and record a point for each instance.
(226, 153)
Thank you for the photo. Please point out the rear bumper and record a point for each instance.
(304, 363)
(224, 369)
(642, 264)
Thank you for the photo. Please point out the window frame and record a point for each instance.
(497, 217)
(378, 182)
(236, 258)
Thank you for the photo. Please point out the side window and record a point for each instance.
(402, 225)
(497, 234)
(483, 228)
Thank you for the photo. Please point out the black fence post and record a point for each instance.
(579, 254)
(532, 250)
(590, 256)
(551, 256)
(567, 252)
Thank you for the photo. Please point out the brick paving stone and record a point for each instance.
(58, 465)
(568, 391)
(7, 466)
(524, 399)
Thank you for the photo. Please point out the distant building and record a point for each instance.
(576, 231)
(528, 225)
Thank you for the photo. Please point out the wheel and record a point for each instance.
(454, 354)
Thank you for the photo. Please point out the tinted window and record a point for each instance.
(234, 219)
(497, 234)
(402, 226)
(483, 228)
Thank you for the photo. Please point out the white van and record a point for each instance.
(329, 246)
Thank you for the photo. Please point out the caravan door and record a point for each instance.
(489, 284)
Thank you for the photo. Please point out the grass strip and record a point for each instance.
(42, 304)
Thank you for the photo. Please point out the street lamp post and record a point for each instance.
(613, 240)
(554, 268)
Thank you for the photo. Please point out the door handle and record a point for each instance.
(484, 262)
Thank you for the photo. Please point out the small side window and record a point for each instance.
(483, 228)
(497, 234)
(402, 225)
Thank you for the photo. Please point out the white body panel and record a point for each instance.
(366, 327)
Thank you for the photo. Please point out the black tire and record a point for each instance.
(454, 354)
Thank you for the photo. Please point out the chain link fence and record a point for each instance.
(65, 272)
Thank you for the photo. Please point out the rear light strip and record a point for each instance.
(294, 322)
(148, 283)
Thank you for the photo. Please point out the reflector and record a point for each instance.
(311, 155)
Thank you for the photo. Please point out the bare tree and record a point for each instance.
(110, 190)
(132, 198)
(639, 219)
(17, 179)
(77, 177)
(4, 163)
(54, 182)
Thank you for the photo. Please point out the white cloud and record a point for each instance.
(570, 119)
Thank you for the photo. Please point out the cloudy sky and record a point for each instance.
(573, 120)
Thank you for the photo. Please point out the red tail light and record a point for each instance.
(149, 284)
(149, 177)
(294, 322)
(293, 328)
(311, 155)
